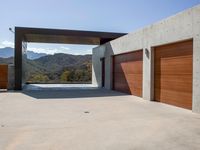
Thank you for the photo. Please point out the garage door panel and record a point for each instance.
(176, 65)
(168, 53)
(120, 79)
(127, 57)
(182, 83)
(171, 49)
(134, 79)
(137, 91)
(3, 85)
(122, 87)
(3, 73)
(173, 74)
(127, 73)
(173, 98)
(130, 68)
(171, 95)
(130, 79)
(128, 87)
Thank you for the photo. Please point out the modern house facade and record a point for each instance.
(158, 63)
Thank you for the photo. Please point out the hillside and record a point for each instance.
(6, 52)
(9, 60)
(58, 61)
(57, 68)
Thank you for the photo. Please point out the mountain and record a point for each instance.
(53, 63)
(9, 60)
(6, 52)
(9, 52)
(32, 55)
(57, 68)
(58, 61)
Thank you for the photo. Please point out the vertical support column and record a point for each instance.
(196, 75)
(152, 74)
(96, 68)
(18, 60)
(108, 54)
(147, 73)
(196, 61)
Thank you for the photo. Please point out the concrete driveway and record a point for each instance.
(93, 120)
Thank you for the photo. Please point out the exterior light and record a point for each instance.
(11, 30)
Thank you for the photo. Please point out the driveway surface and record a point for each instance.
(93, 120)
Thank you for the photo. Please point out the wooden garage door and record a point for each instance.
(173, 74)
(127, 73)
(3, 76)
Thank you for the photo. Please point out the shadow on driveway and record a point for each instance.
(78, 93)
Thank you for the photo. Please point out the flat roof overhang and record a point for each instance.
(59, 36)
(63, 36)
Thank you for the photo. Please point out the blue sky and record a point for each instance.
(96, 15)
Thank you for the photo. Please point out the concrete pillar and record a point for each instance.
(196, 60)
(108, 53)
(147, 73)
(152, 75)
(196, 75)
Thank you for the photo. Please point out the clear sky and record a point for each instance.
(96, 15)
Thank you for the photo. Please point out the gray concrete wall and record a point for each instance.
(196, 60)
(98, 53)
(182, 26)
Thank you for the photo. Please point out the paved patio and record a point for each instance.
(93, 120)
(59, 86)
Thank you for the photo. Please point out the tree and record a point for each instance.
(65, 76)
(39, 78)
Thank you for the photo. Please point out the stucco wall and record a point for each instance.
(182, 26)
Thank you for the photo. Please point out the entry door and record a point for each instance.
(127, 73)
(173, 74)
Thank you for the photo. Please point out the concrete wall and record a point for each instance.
(98, 53)
(182, 26)
(196, 60)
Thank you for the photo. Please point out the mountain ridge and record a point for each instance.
(7, 52)
(57, 68)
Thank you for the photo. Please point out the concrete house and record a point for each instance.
(158, 63)
(144, 94)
